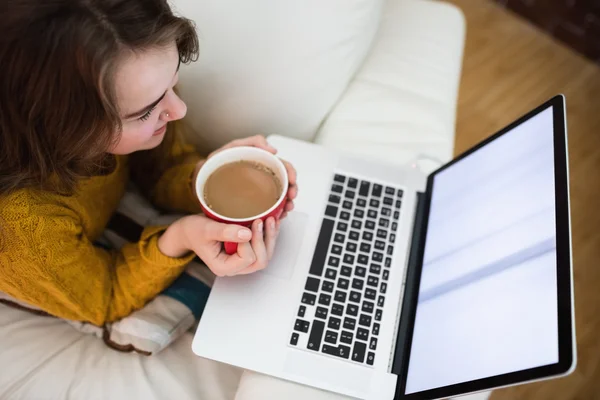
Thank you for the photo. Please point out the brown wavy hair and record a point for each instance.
(58, 112)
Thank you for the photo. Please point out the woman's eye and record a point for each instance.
(147, 115)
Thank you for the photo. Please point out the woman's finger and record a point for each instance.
(291, 172)
(254, 141)
(261, 249)
(226, 265)
(289, 206)
(271, 233)
(293, 192)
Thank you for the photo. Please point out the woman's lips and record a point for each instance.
(160, 131)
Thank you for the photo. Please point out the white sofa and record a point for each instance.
(371, 77)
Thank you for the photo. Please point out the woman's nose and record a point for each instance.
(175, 108)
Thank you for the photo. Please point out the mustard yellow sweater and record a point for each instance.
(47, 256)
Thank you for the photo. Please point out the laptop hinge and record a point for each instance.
(410, 295)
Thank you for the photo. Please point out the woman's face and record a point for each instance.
(147, 102)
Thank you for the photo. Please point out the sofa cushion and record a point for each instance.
(271, 66)
(402, 103)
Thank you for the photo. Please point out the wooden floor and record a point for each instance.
(509, 68)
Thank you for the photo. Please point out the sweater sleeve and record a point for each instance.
(46, 260)
(173, 188)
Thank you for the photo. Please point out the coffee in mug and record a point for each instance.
(242, 189)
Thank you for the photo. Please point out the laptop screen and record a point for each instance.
(488, 301)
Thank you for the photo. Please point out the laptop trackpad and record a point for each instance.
(288, 245)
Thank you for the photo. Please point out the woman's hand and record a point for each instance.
(260, 142)
(204, 237)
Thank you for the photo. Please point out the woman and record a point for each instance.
(87, 102)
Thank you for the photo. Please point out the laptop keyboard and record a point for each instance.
(341, 307)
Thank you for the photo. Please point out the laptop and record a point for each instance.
(388, 283)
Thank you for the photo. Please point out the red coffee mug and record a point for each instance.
(245, 153)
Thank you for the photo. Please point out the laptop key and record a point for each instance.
(356, 224)
(375, 269)
(355, 296)
(339, 238)
(376, 192)
(367, 307)
(343, 283)
(379, 245)
(337, 309)
(365, 320)
(301, 325)
(392, 237)
(327, 286)
(309, 299)
(340, 351)
(388, 201)
(312, 284)
(365, 247)
(354, 235)
(400, 193)
(389, 190)
(358, 352)
(361, 202)
(348, 258)
(337, 188)
(352, 309)
(360, 271)
(330, 273)
(331, 337)
(336, 249)
(346, 337)
(381, 233)
(394, 226)
(358, 213)
(357, 284)
(373, 281)
(339, 178)
(346, 271)
(370, 224)
(340, 296)
(349, 323)
(374, 203)
(320, 254)
(352, 183)
(331, 211)
(301, 311)
(380, 301)
(351, 246)
(294, 340)
(383, 288)
(350, 194)
(390, 250)
(368, 236)
(386, 212)
(388, 262)
(362, 334)
(370, 358)
(347, 205)
(396, 215)
(364, 188)
(398, 203)
(378, 314)
(344, 215)
(386, 275)
(334, 323)
(384, 222)
(324, 299)
(333, 261)
(370, 294)
(372, 213)
(321, 312)
(316, 334)
(375, 329)
(377, 256)
(334, 198)
(342, 226)
(363, 259)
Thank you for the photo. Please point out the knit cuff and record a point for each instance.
(150, 252)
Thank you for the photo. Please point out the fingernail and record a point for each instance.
(260, 226)
(244, 234)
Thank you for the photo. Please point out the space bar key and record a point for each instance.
(320, 254)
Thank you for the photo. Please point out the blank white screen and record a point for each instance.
(488, 296)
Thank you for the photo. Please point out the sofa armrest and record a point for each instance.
(402, 102)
